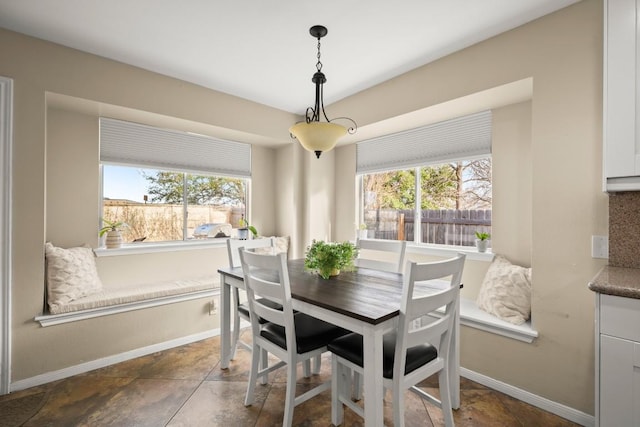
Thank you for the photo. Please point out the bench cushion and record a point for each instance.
(122, 295)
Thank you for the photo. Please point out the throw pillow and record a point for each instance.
(71, 274)
(280, 245)
(506, 291)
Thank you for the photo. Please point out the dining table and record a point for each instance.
(364, 300)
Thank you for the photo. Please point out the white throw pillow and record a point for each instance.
(280, 245)
(71, 274)
(506, 291)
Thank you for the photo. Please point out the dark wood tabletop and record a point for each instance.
(368, 295)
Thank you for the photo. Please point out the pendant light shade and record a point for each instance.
(318, 136)
(315, 135)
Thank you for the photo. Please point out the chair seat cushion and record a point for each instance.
(311, 333)
(350, 347)
(243, 309)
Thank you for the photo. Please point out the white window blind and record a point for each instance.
(456, 139)
(136, 144)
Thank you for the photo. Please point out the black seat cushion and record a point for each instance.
(350, 347)
(244, 308)
(311, 333)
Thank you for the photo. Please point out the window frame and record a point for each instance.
(166, 245)
(417, 236)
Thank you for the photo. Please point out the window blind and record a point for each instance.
(456, 139)
(136, 144)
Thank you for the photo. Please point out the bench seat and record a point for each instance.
(112, 300)
(128, 294)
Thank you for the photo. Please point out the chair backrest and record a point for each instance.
(416, 304)
(385, 255)
(234, 244)
(267, 276)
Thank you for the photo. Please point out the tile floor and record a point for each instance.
(184, 386)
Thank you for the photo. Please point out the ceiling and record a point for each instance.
(261, 50)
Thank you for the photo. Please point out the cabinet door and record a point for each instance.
(621, 145)
(619, 382)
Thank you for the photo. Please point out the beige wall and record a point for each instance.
(47, 172)
(511, 174)
(562, 52)
(72, 191)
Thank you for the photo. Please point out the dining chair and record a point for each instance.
(242, 308)
(375, 254)
(410, 354)
(384, 255)
(291, 337)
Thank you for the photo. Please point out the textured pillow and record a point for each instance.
(506, 291)
(280, 245)
(71, 274)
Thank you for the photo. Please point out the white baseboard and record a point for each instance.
(556, 408)
(109, 360)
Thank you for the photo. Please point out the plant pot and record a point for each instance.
(328, 272)
(114, 239)
(243, 233)
(482, 245)
(362, 234)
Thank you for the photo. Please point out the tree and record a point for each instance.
(168, 187)
(458, 185)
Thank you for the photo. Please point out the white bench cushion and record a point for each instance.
(122, 295)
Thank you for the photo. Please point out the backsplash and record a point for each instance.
(624, 229)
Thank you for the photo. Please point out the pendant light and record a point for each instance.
(315, 135)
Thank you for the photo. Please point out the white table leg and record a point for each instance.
(225, 323)
(373, 381)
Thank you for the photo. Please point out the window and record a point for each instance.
(455, 202)
(165, 184)
(430, 184)
(155, 206)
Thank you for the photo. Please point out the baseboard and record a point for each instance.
(556, 408)
(109, 360)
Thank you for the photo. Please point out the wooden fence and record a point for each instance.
(440, 226)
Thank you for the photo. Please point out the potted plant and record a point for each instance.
(328, 258)
(362, 231)
(245, 228)
(112, 230)
(482, 239)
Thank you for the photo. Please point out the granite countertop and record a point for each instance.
(618, 281)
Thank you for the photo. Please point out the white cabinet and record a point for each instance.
(621, 96)
(618, 361)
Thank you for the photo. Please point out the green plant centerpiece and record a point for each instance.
(328, 258)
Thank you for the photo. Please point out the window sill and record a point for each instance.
(450, 251)
(473, 317)
(145, 248)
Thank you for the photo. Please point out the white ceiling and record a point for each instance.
(261, 50)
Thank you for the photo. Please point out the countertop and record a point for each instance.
(618, 281)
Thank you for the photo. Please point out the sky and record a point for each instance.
(122, 182)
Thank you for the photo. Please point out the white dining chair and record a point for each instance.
(410, 354)
(293, 338)
(242, 308)
(385, 255)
